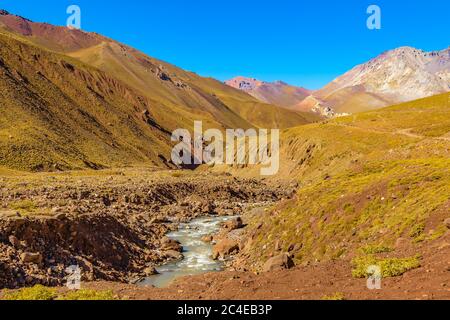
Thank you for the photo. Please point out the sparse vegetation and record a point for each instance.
(417, 230)
(390, 267)
(380, 185)
(374, 249)
(336, 296)
(37, 292)
(86, 294)
(24, 206)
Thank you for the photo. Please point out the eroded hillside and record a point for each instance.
(58, 114)
(71, 99)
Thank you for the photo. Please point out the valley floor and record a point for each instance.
(113, 224)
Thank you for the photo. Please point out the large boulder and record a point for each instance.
(29, 257)
(150, 271)
(171, 244)
(234, 224)
(172, 255)
(225, 248)
(208, 238)
(14, 241)
(279, 262)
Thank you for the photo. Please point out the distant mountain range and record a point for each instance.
(278, 93)
(396, 76)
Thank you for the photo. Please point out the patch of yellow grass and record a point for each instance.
(391, 267)
(37, 292)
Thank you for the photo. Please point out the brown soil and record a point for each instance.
(430, 281)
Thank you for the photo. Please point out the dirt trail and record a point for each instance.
(404, 132)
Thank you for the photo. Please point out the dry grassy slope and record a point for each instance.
(367, 179)
(57, 113)
(192, 95)
(176, 104)
(289, 96)
(178, 97)
(89, 111)
(47, 35)
(354, 100)
(262, 114)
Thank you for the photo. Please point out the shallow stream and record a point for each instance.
(197, 253)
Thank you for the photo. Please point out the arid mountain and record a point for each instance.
(277, 93)
(71, 99)
(159, 81)
(47, 35)
(57, 113)
(396, 76)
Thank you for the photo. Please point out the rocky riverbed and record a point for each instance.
(195, 237)
(112, 223)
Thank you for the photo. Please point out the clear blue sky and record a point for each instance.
(302, 42)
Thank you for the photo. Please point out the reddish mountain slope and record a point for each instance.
(277, 93)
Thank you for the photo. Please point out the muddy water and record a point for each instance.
(197, 254)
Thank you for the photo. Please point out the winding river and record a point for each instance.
(197, 253)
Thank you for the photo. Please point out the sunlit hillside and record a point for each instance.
(369, 180)
(95, 103)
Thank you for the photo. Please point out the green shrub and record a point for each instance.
(40, 292)
(23, 206)
(86, 294)
(417, 230)
(374, 249)
(335, 296)
(37, 292)
(390, 267)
